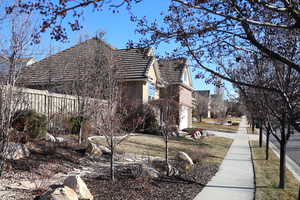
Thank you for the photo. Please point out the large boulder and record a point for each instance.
(16, 151)
(60, 193)
(184, 162)
(92, 149)
(78, 185)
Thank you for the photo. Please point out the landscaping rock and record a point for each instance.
(104, 149)
(59, 139)
(183, 133)
(50, 138)
(78, 185)
(174, 134)
(33, 148)
(159, 165)
(185, 163)
(16, 151)
(144, 171)
(149, 172)
(92, 149)
(60, 193)
(173, 171)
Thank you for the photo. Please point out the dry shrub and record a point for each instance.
(18, 136)
(41, 177)
(59, 123)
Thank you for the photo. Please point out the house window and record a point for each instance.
(151, 90)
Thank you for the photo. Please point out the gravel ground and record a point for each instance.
(166, 188)
(20, 181)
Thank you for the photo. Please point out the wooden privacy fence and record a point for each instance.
(52, 103)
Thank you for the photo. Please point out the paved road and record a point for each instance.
(293, 147)
(234, 180)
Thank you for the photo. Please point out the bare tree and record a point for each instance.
(276, 110)
(169, 118)
(13, 50)
(108, 121)
(210, 30)
(202, 104)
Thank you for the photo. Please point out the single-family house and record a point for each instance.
(138, 69)
(180, 87)
(141, 75)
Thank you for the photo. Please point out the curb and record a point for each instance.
(253, 167)
(290, 164)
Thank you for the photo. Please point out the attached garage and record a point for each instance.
(184, 117)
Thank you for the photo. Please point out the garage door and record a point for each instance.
(184, 117)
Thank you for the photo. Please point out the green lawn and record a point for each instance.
(267, 177)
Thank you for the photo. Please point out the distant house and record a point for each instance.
(180, 87)
(202, 103)
(142, 76)
(218, 106)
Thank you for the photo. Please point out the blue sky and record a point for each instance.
(119, 30)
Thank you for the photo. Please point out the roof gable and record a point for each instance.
(186, 76)
(171, 69)
(72, 63)
(133, 63)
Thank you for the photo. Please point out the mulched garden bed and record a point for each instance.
(173, 188)
(64, 158)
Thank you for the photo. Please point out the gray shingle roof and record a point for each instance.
(73, 63)
(134, 63)
(171, 69)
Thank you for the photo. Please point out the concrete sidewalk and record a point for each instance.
(235, 179)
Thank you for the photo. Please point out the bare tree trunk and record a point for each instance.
(80, 134)
(260, 133)
(3, 143)
(267, 144)
(112, 168)
(167, 153)
(282, 156)
(253, 125)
